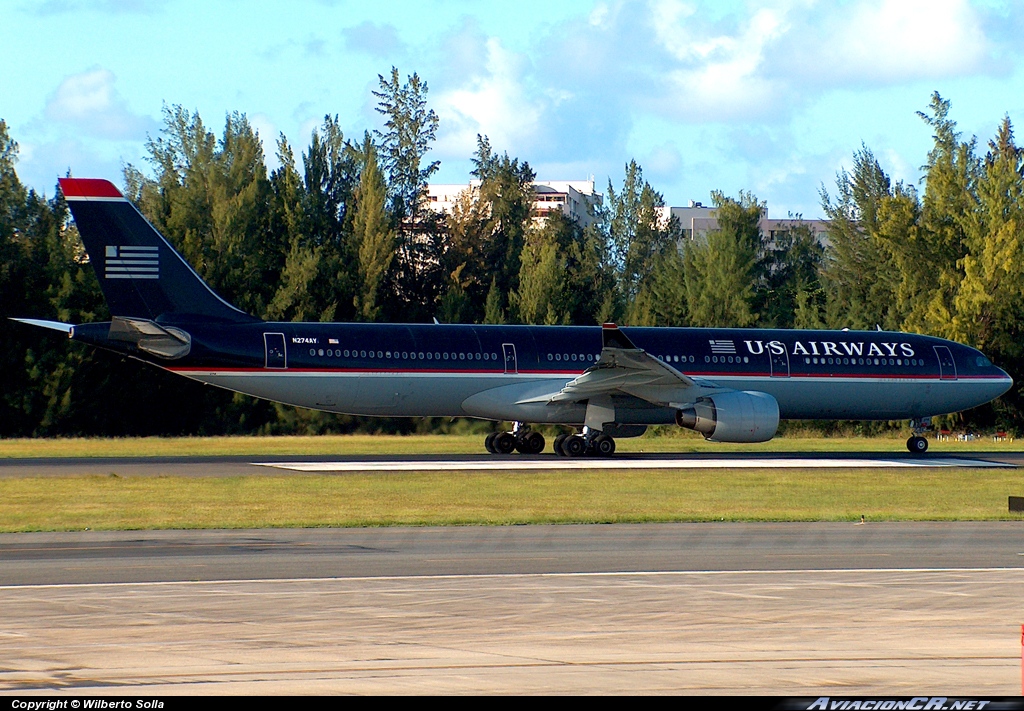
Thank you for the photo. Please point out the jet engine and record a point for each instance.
(736, 416)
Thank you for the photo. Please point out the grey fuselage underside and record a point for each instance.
(462, 395)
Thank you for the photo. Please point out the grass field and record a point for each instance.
(457, 498)
(677, 441)
(301, 500)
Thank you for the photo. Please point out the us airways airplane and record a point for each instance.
(731, 385)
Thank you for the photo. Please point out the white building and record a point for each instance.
(573, 198)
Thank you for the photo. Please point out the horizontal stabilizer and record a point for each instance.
(164, 342)
(52, 325)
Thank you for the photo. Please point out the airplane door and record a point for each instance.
(780, 363)
(510, 358)
(947, 366)
(277, 356)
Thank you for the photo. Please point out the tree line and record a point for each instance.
(342, 232)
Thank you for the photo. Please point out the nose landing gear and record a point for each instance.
(918, 444)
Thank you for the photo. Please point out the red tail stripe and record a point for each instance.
(88, 187)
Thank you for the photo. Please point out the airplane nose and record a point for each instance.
(1004, 383)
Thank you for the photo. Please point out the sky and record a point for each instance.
(767, 97)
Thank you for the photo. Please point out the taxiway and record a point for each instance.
(759, 608)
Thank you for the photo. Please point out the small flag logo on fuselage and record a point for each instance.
(130, 262)
(720, 347)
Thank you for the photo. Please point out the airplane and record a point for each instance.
(729, 384)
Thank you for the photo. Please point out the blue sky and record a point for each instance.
(770, 97)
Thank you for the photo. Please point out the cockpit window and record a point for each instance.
(983, 362)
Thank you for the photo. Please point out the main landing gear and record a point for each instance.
(581, 445)
(521, 439)
(525, 441)
(917, 444)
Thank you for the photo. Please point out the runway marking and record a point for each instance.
(818, 574)
(513, 463)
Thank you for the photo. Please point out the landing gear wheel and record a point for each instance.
(530, 443)
(604, 446)
(917, 445)
(489, 442)
(574, 446)
(559, 440)
(504, 443)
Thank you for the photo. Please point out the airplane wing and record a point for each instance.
(625, 369)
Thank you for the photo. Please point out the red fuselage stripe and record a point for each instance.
(571, 373)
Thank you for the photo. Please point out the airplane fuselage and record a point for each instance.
(493, 371)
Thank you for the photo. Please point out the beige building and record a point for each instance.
(697, 220)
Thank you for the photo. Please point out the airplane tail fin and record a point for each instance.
(140, 274)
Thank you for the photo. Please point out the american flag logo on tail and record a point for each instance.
(130, 262)
(723, 347)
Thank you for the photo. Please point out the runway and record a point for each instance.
(261, 465)
(757, 608)
(524, 464)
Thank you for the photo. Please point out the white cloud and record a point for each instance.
(492, 102)
(687, 62)
(886, 42)
(268, 132)
(90, 102)
(113, 7)
(45, 161)
(376, 40)
(664, 162)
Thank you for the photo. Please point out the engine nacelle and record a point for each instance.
(737, 416)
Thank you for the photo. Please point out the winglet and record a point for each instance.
(613, 337)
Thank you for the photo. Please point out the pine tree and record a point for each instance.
(411, 128)
(990, 301)
(212, 199)
(633, 233)
(721, 271)
(373, 232)
(859, 282)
